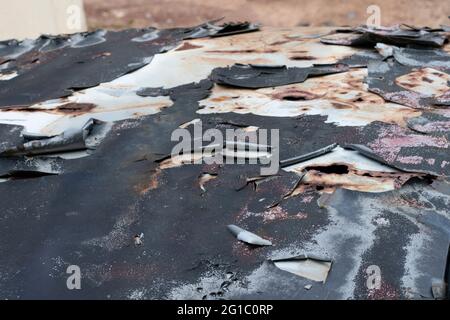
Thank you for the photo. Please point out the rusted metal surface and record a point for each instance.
(377, 195)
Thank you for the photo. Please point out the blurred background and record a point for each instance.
(30, 18)
(282, 13)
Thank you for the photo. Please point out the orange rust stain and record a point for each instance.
(301, 58)
(188, 46)
(71, 108)
(75, 108)
(421, 79)
(402, 201)
(220, 99)
(342, 106)
(355, 179)
(294, 95)
(22, 108)
(151, 184)
(408, 85)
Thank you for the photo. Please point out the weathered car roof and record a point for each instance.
(86, 123)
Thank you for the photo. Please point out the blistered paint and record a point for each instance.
(427, 81)
(342, 97)
(112, 104)
(269, 46)
(362, 174)
(343, 156)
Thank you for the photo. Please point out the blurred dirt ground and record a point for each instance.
(117, 14)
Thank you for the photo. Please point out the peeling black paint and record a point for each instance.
(368, 37)
(89, 213)
(260, 76)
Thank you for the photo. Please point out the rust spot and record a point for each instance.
(408, 85)
(22, 108)
(425, 81)
(151, 184)
(302, 58)
(76, 108)
(342, 106)
(294, 95)
(328, 177)
(72, 108)
(188, 46)
(220, 99)
(31, 59)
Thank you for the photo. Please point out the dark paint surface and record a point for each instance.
(89, 213)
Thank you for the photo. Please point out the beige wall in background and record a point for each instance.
(21, 19)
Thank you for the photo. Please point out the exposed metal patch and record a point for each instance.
(306, 266)
(342, 97)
